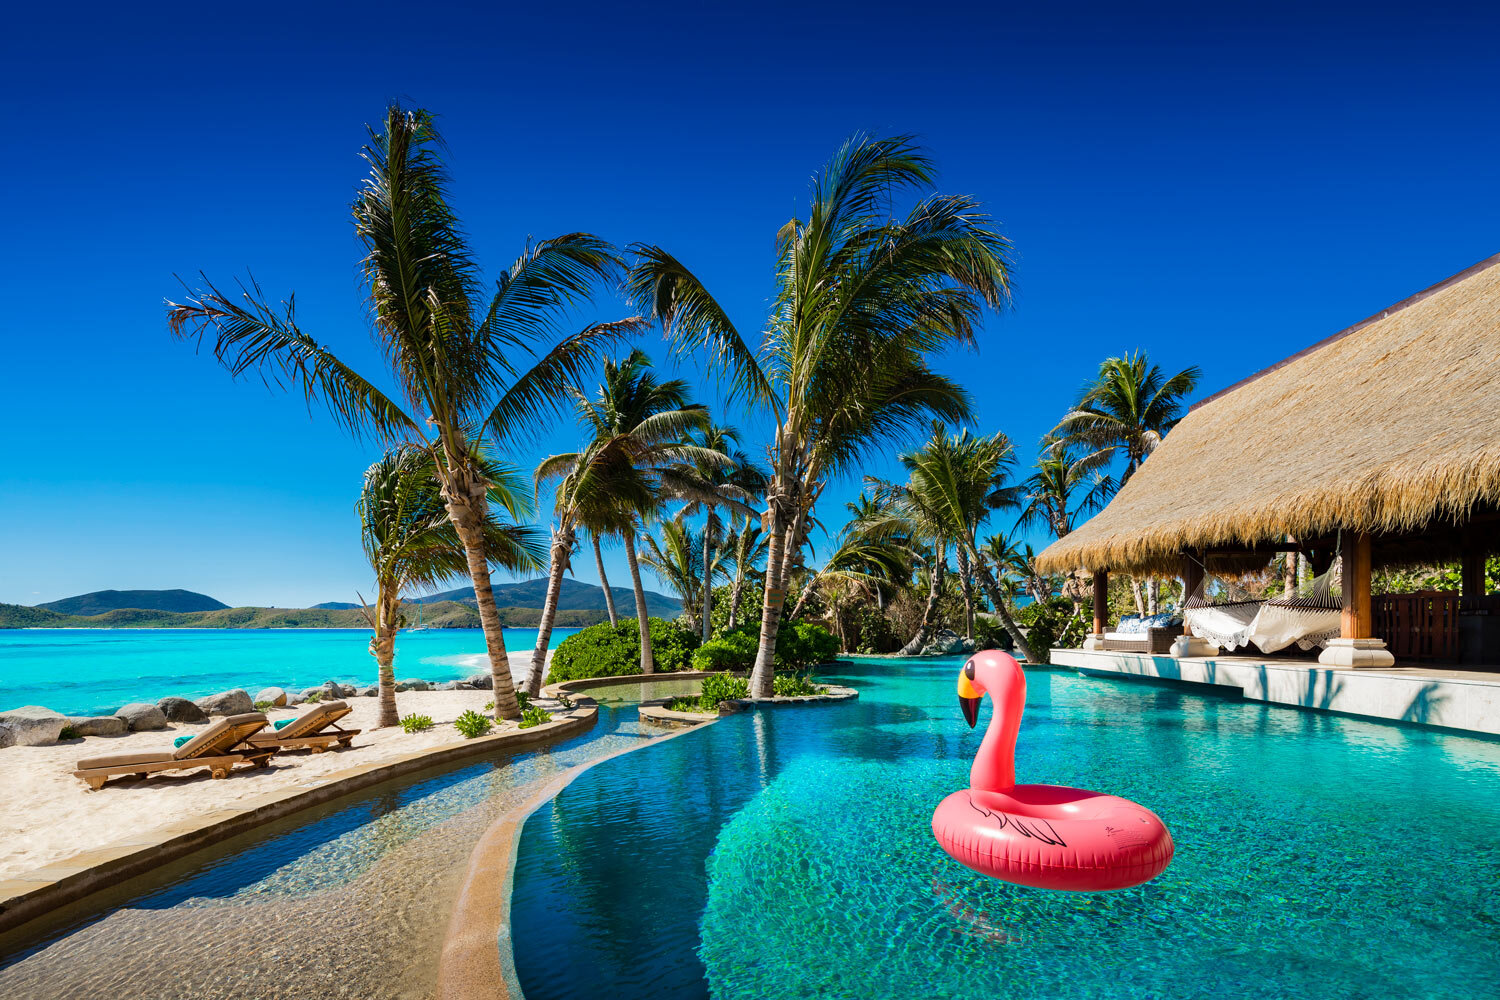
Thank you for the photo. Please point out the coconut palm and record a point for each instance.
(955, 481)
(677, 561)
(747, 551)
(861, 302)
(411, 543)
(1128, 408)
(637, 427)
(1052, 491)
(465, 364)
(710, 484)
(864, 561)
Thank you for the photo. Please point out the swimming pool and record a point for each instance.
(788, 854)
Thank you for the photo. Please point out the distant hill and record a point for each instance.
(573, 596)
(102, 601)
(333, 606)
(447, 614)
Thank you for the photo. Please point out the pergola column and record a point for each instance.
(1356, 645)
(1101, 610)
(1188, 644)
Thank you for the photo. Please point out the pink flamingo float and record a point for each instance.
(1047, 836)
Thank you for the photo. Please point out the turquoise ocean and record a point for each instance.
(91, 671)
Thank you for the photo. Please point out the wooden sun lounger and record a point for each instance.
(218, 748)
(316, 730)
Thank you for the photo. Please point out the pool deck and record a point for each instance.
(1464, 700)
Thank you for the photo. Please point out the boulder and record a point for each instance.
(276, 696)
(294, 699)
(33, 725)
(373, 691)
(236, 702)
(454, 686)
(141, 716)
(401, 686)
(98, 725)
(7, 738)
(482, 682)
(946, 643)
(181, 710)
(414, 685)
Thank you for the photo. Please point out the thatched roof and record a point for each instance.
(1388, 426)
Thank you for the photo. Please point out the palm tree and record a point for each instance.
(747, 550)
(861, 302)
(711, 483)
(1016, 561)
(1051, 491)
(466, 364)
(955, 482)
(675, 559)
(411, 543)
(866, 559)
(1128, 408)
(637, 425)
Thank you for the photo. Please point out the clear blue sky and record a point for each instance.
(1216, 185)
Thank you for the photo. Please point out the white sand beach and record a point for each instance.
(52, 815)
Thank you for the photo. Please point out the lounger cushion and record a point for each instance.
(219, 737)
(122, 760)
(311, 721)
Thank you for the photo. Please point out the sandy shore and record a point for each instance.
(51, 815)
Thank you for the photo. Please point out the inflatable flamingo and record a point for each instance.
(1047, 836)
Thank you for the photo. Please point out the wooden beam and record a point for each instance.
(1471, 567)
(1357, 621)
(1101, 601)
(1192, 575)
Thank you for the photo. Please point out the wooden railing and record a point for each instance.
(1422, 626)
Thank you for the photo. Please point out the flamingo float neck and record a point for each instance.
(1002, 678)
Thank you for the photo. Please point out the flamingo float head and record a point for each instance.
(998, 675)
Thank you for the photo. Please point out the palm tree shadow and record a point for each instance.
(1424, 704)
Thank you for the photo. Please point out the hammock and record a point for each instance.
(1232, 619)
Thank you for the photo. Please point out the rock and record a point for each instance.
(276, 696)
(373, 691)
(236, 702)
(141, 716)
(413, 685)
(294, 699)
(946, 642)
(181, 710)
(7, 738)
(33, 725)
(481, 682)
(333, 690)
(454, 686)
(98, 725)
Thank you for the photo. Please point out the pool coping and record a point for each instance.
(33, 894)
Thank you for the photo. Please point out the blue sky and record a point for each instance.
(1218, 187)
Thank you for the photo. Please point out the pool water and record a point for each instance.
(788, 854)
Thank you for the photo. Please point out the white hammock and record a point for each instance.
(1308, 622)
(1225, 625)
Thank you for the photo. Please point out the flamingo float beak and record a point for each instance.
(969, 696)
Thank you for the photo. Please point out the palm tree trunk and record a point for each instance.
(383, 648)
(966, 580)
(737, 589)
(609, 597)
(708, 589)
(807, 591)
(987, 581)
(466, 522)
(763, 674)
(935, 591)
(648, 664)
(562, 548)
(1153, 595)
(1135, 591)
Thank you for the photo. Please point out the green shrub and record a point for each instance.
(533, 716)
(416, 723)
(800, 645)
(722, 687)
(685, 704)
(264, 706)
(69, 733)
(565, 701)
(793, 686)
(1051, 624)
(606, 650)
(876, 633)
(991, 635)
(472, 724)
(315, 697)
(734, 650)
(523, 699)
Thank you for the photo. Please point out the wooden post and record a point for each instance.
(1192, 576)
(1357, 621)
(1471, 571)
(1101, 600)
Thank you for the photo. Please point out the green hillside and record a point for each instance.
(447, 614)
(102, 601)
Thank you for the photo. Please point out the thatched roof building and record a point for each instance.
(1389, 428)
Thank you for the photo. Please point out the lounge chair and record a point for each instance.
(316, 730)
(218, 748)
(1156, 640)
